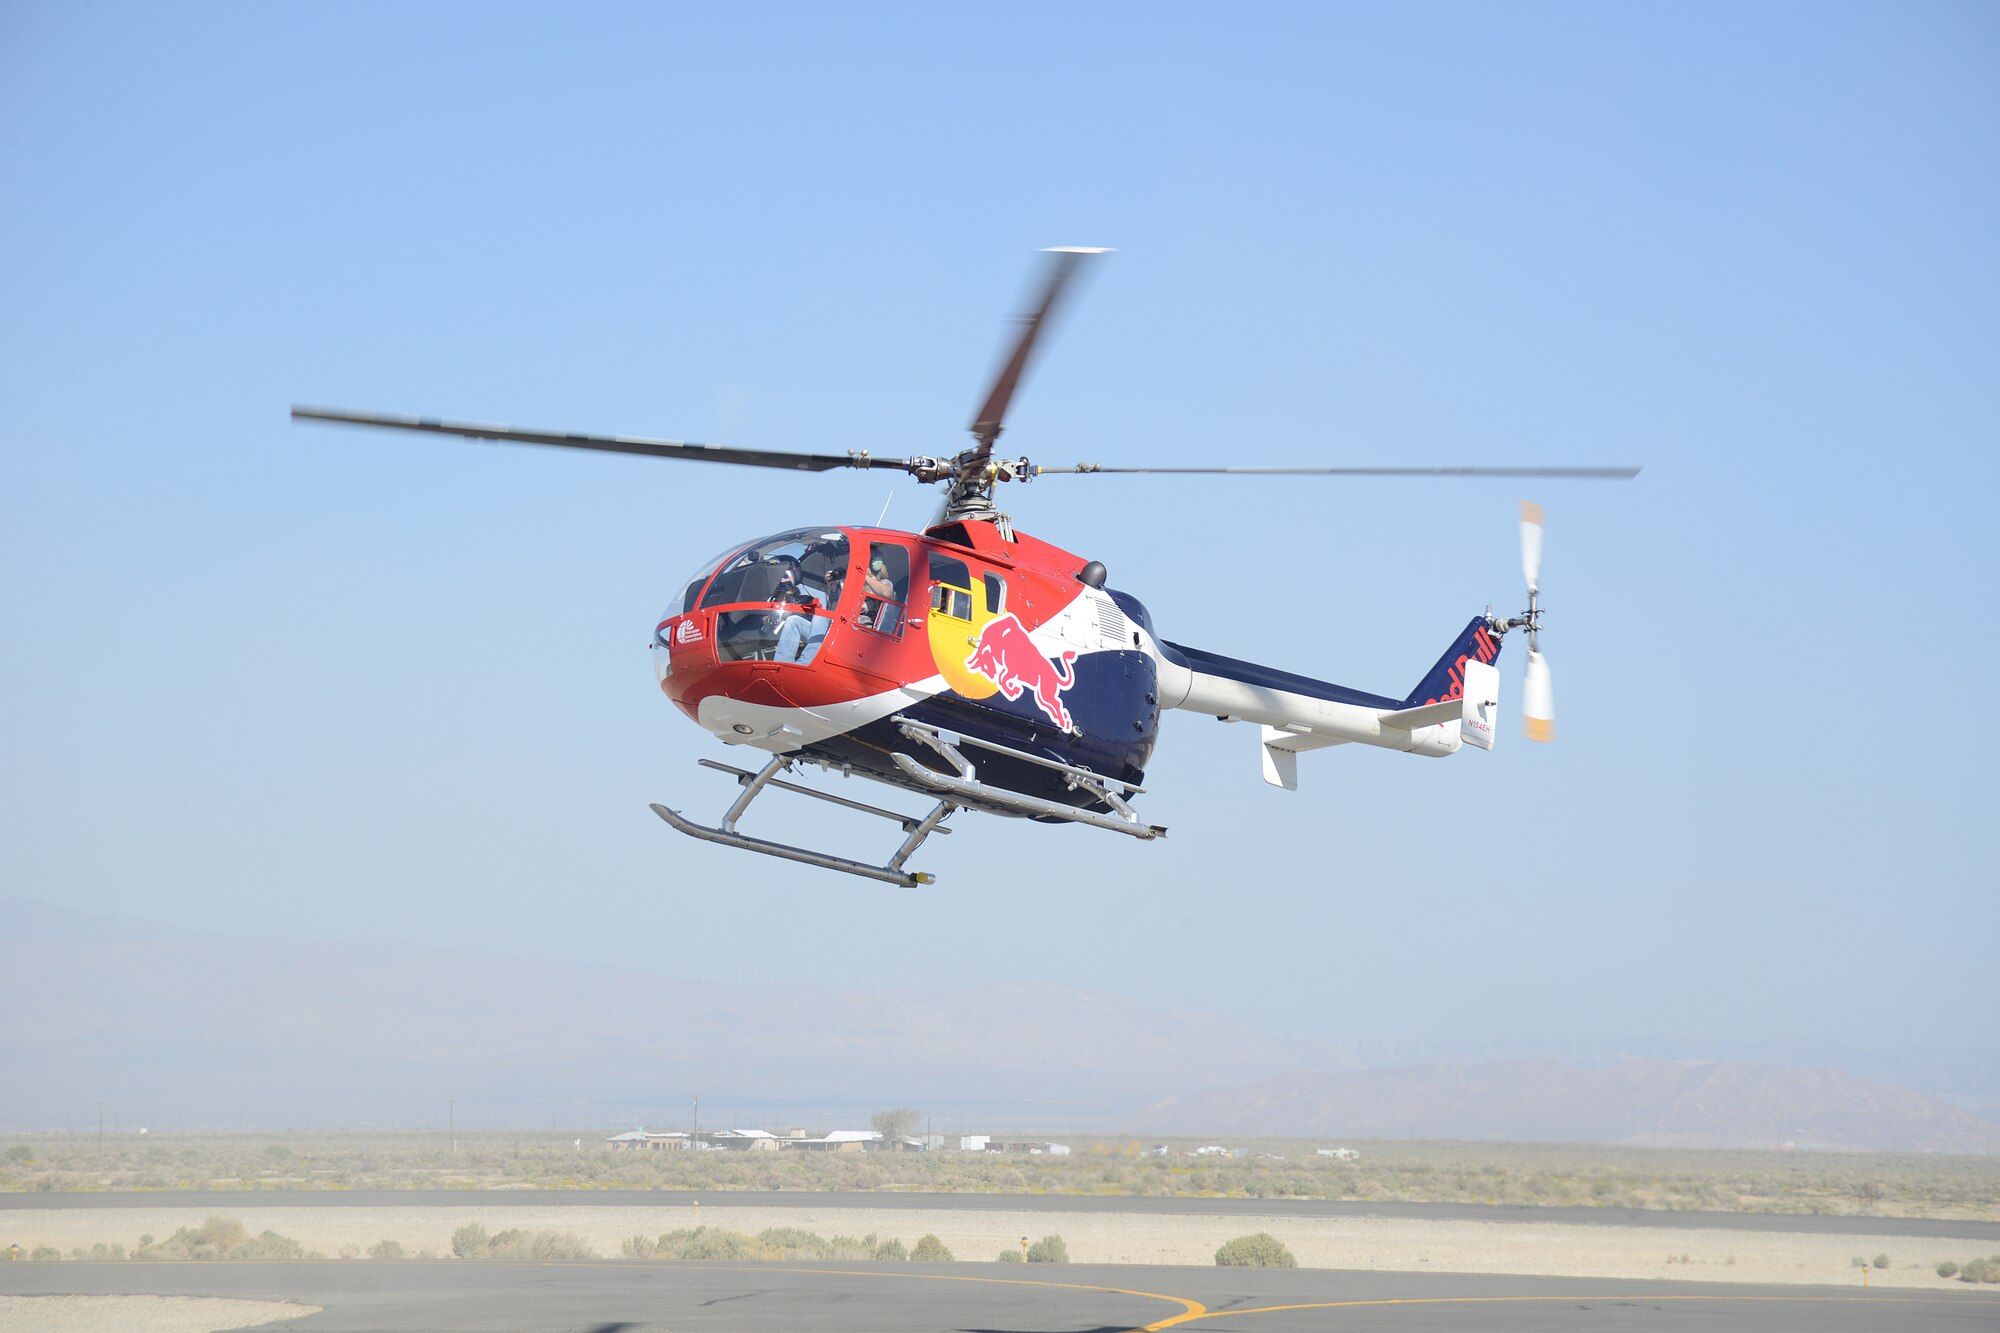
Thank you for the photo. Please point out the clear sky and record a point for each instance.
(299, 681)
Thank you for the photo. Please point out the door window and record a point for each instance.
(885, 589)
(951, 587)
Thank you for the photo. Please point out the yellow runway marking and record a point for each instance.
(1600, 1299)
(1190, 1309)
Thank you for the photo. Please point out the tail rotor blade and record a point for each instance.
(1538, 704)
(1531, 545)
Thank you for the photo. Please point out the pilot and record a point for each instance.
(795, 621)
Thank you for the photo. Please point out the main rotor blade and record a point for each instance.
(613, 444)
(991, 418)
(1599, 473)
(1531, 545)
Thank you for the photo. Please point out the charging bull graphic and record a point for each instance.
(1006, 656)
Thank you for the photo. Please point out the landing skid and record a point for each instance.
(889, 872)
(958, 790)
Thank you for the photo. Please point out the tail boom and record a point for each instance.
(1451, 705)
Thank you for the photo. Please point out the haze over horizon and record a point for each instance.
(158, 1025)
(322, 685)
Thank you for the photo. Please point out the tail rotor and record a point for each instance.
(1538, 705)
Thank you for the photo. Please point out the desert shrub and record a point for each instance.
(20, 1152)
(1010, 1256)
(269, 1245)
(1048, 1250)
(930, 1250)
(1947, 1268)
(1880, 1261)
(46, 1252)
(892, 1251)
(847, 1247)
(639, 1247)
(509, 1244)
(468, 1240)
(711, 1243)
(1974, 1271)
(549, 1246)
(224, 1233)
(1857, 1262)
(219, 1238)
(1262, 1250)
(797, 1243)
(386, 1249)
(533, 1246)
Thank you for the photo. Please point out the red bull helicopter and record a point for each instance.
(987, 669)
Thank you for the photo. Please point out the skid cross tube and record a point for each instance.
(890, 872)
(1078, 776)
(969, 789)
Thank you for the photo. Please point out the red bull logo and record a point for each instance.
(1483, 649)
(1006, 656)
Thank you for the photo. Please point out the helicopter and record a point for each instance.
(986, 669)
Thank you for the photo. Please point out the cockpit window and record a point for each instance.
(810, 563)
(685, 603)
(795, 580)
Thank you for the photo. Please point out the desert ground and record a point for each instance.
(1390, 1244)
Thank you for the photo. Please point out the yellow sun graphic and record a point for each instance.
(953, 636)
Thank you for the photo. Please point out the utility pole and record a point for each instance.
(694, 1139)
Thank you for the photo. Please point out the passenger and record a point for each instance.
(878, 609)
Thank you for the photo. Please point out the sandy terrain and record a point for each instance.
(1129, 1238)
(155, 1314)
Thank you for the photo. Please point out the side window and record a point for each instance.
(996, 594)
(951, 587)
(885, 586)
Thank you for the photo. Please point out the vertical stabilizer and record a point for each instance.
(1446, 680)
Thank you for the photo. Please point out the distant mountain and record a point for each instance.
(178, 1029)
(1964, 1071)
(1660, 1103)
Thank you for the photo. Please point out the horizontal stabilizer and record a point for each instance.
(1429, 715)
(1478, 685)
(1281, 754)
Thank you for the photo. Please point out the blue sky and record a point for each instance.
(298, 681)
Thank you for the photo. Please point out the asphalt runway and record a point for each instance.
(638, 1297)
(1051, 1203)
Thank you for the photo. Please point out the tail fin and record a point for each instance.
(1446, 680)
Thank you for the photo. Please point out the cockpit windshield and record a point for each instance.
(685, 602)
(795, 579)
(811, 561)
